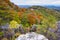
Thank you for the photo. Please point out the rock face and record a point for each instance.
(5, 26)
(31, 36)
(58, 30)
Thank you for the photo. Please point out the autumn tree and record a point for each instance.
(31, 18)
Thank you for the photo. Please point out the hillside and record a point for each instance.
(7, 5)
(52, 11)
(27, 16)
(8, 11)
(45, 19)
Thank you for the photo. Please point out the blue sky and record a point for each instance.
(36, 2)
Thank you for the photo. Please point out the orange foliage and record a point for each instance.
(31, 19)
(22, 9)
(39, 16)
(20, 14)
(7, 1)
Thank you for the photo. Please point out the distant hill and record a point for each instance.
(47, 10)
(54, 7)
(24, 6)
(47, 6)
(57, 8)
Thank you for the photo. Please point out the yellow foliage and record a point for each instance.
(13, 24)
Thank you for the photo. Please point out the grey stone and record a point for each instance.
(31, 36)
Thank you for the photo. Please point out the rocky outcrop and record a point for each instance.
(58, 30)
(31, 36)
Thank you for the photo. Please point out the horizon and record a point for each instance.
(39, 5)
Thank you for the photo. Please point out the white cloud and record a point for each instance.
(56, 3)
(36, 2)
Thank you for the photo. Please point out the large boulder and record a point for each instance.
(31, 36)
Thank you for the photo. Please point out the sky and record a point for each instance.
(36, 2)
